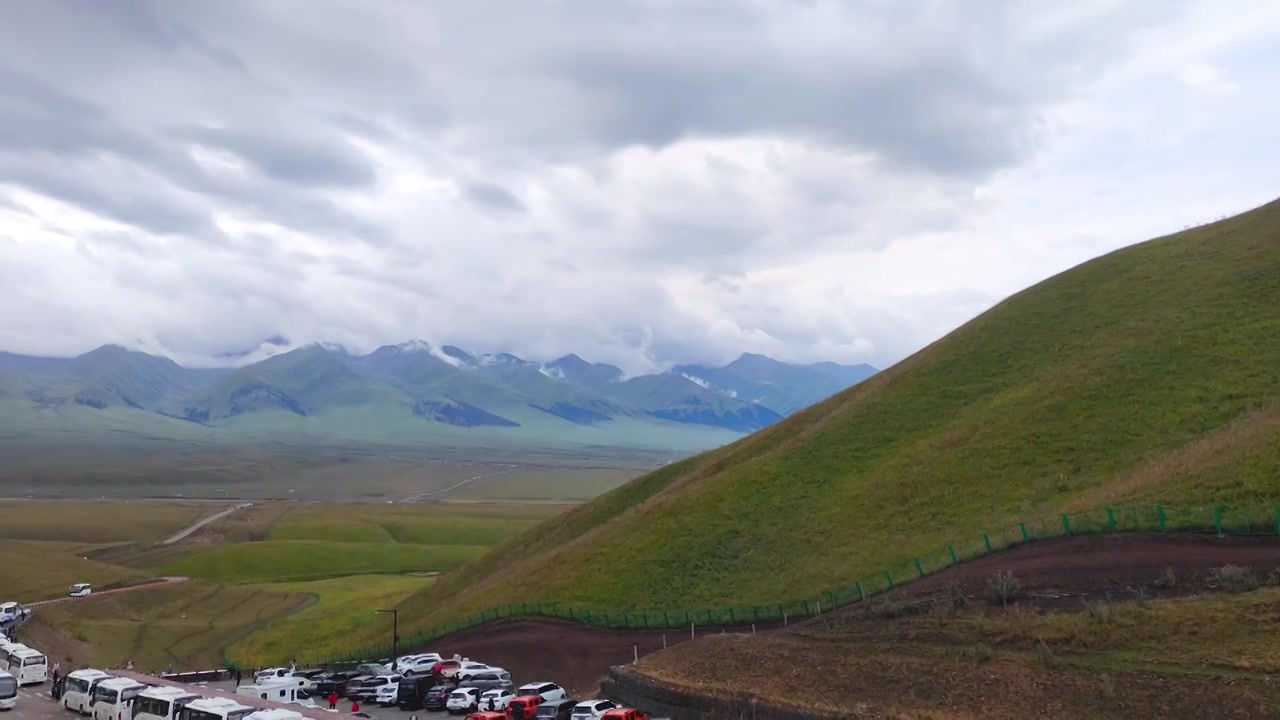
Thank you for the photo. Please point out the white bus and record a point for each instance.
(6, 647)
(8, 691)
(77, 694)
(215, 708)
(112, 698)
(29, 666)
(80, 590)
(161, 703)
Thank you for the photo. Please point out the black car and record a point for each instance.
(412, 690)
(331, 682)
(354, 684)
(496, 680)
(437, 696)
(555, 710)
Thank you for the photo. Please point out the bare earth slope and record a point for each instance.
(1146, 375)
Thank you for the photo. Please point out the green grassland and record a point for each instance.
(278, 560)
(1144, 375)
(98, 522)
(34, 571)
(186, 624)
(343, 609)
(428, 524)
(1200, 656)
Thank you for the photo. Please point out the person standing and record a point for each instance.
(333, 700)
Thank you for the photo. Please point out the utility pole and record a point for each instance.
(395, 634)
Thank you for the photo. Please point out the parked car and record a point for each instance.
(496, 679)
(423, 664)
(592, 709)
(11, 611)
(486, 715)
(373, 687)
(497, 699)
(462, 701)
(437, 696)
(548, 690)
(446, 668)
(555, 710)
(372, 669)
(331, 682)
(522, 707)
(387, 695)
(624, 713)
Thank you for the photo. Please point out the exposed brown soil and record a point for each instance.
(1051, 573)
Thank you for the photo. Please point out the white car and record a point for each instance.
(11, 611)
(419, 664)
(496, 700)
(591, 709)
(470, 673)
(462, 701)
(387, 695)
(264, 676)
(548, 690)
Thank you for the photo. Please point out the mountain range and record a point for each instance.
(418, 386)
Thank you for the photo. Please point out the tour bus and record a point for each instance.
(6, 647)
(113, 698)
(77, 694)
(215, 708)
(29, 666)
(161, 703)
(8, 691)
(80, 590)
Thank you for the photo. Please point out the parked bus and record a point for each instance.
(8, 691)
(161, 703)
(29, 666)
(7, 647)
(77, 694)
(276, 714)
(215, 708)
(113, 698)
(282, 690)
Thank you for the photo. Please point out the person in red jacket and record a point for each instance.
(355, 706)
(333, 701)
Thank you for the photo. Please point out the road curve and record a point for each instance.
(181, 534)
(166, 580)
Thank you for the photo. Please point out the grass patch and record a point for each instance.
(98, 521)
(185, 624)
(1144, 375)
(1187, 657)
(420, 524)
(283, 560)
(344, 609)
(34, 571)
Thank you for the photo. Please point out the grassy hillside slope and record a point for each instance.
(1148, 374)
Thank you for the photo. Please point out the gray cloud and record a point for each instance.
(674, 181)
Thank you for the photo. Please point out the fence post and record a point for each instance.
(626, 620)
(1026, 536)
(952, 552)
(1160, 517)
(666, 620)
(889, 576)
(732, 620)
(861, 596)
(1278, 520)
(1217, 518)
(986, 540)
(1111, 519)
(919, 570)
(1066, 524)
(806, 608)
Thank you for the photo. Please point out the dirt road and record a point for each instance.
(181, 534)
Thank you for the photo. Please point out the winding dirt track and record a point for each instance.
(167, 580)
(1062, 572)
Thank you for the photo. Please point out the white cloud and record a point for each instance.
(640, 183)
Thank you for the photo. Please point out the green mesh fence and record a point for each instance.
(1150, 518)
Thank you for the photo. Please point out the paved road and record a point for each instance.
(212, 518)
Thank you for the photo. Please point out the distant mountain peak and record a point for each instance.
(458, 354)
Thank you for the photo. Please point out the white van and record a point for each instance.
(29, 666)
(113, 698)
(80, 590)
(215, 708)
(282, 690)
(77, 694)
(8, 691)
(161, 703)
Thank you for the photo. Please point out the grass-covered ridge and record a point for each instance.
(1146, 375)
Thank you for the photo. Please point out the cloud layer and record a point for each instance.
(639, 181)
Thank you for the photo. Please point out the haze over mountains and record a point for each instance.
(416, 389)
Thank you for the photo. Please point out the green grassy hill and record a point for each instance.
(1149, 374)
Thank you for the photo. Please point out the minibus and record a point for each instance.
(28, 665)
(77, 694)
(215, 708)
(8, 691)
(113, 698)
(275, 714)
(161, 703)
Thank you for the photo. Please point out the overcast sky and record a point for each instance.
(638, 182)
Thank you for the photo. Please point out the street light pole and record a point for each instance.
(395, 634)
